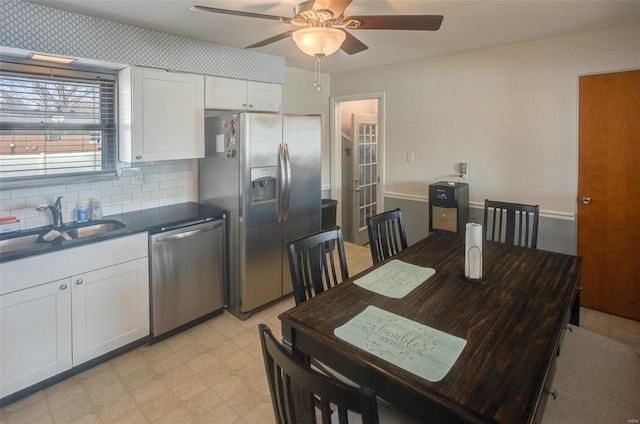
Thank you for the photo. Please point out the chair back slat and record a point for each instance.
(298, 391)
(386, 235)
(520, 227)
(317, 262)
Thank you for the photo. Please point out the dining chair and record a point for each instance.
(520, 228)
(313, 263)
(299, 391)
(386, 235)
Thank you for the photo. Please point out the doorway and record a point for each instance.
(608, 201)
(357, 168)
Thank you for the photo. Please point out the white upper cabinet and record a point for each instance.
(232, 94)
(161, 115)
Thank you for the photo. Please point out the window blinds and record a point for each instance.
(56, 122)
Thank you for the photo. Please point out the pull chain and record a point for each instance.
(316, 72)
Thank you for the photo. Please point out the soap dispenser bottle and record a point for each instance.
(82, 213)
(96, 209)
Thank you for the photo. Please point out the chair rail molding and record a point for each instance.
(405, 196)
(565, 216)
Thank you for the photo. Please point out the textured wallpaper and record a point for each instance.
(44, 29)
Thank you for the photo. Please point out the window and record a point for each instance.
(55, 123)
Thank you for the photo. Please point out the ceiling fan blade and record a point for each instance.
(271, 39)
(336, 7)
(239, 13)
(352, 45)
(400, 22)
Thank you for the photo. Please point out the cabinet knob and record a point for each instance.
(138, 156)
(63, 287)
(250, 105)
(244, 105)
(79, 281)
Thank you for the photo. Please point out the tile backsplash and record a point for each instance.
(152, 185)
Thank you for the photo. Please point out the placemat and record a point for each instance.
(417, 348)
(395, 278)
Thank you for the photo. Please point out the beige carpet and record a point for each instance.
(597, 380)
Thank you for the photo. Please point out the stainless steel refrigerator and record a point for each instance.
(264, 169)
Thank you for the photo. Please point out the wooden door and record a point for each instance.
(609, 192)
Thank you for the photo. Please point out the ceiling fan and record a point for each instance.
(323, 26)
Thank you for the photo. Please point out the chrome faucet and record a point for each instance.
(56, 212)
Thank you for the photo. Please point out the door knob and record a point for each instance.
(586, 200)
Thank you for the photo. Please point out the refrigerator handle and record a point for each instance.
(282, 183)
(287, 196)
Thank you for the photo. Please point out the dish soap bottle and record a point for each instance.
(96, 209)
(82, 213)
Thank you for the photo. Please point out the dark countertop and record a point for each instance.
(152, 220)
(158, 219)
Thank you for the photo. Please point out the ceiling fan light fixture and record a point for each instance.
(319, 41)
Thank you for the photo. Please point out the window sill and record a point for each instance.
(51, 181)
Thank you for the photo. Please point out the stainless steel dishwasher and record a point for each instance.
(187, 274)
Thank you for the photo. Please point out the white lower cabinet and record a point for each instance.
(35, 335)
(48, 327)
(110, 309)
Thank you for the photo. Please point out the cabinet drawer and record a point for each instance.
(28, 272)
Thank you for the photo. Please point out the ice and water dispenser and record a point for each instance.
(448, 206)
(263, 183)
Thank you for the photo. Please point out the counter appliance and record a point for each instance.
(265, 170)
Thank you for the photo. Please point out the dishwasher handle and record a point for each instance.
(186, 234)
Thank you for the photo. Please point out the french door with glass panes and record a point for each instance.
(365, 172)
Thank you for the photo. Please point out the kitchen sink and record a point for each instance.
(93, 229)
(18, 243)
(34, 240)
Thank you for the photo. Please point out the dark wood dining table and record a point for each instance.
(513, 324)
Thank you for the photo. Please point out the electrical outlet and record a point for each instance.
(141, 177)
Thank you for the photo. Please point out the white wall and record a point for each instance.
(347, 109)
(510, 112)
(299, 96)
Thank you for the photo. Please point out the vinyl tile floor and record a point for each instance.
(211, 373)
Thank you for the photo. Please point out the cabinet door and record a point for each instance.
(264, 97)
(110, 308)
(168, 115)
(225, 93)
(35, 335)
